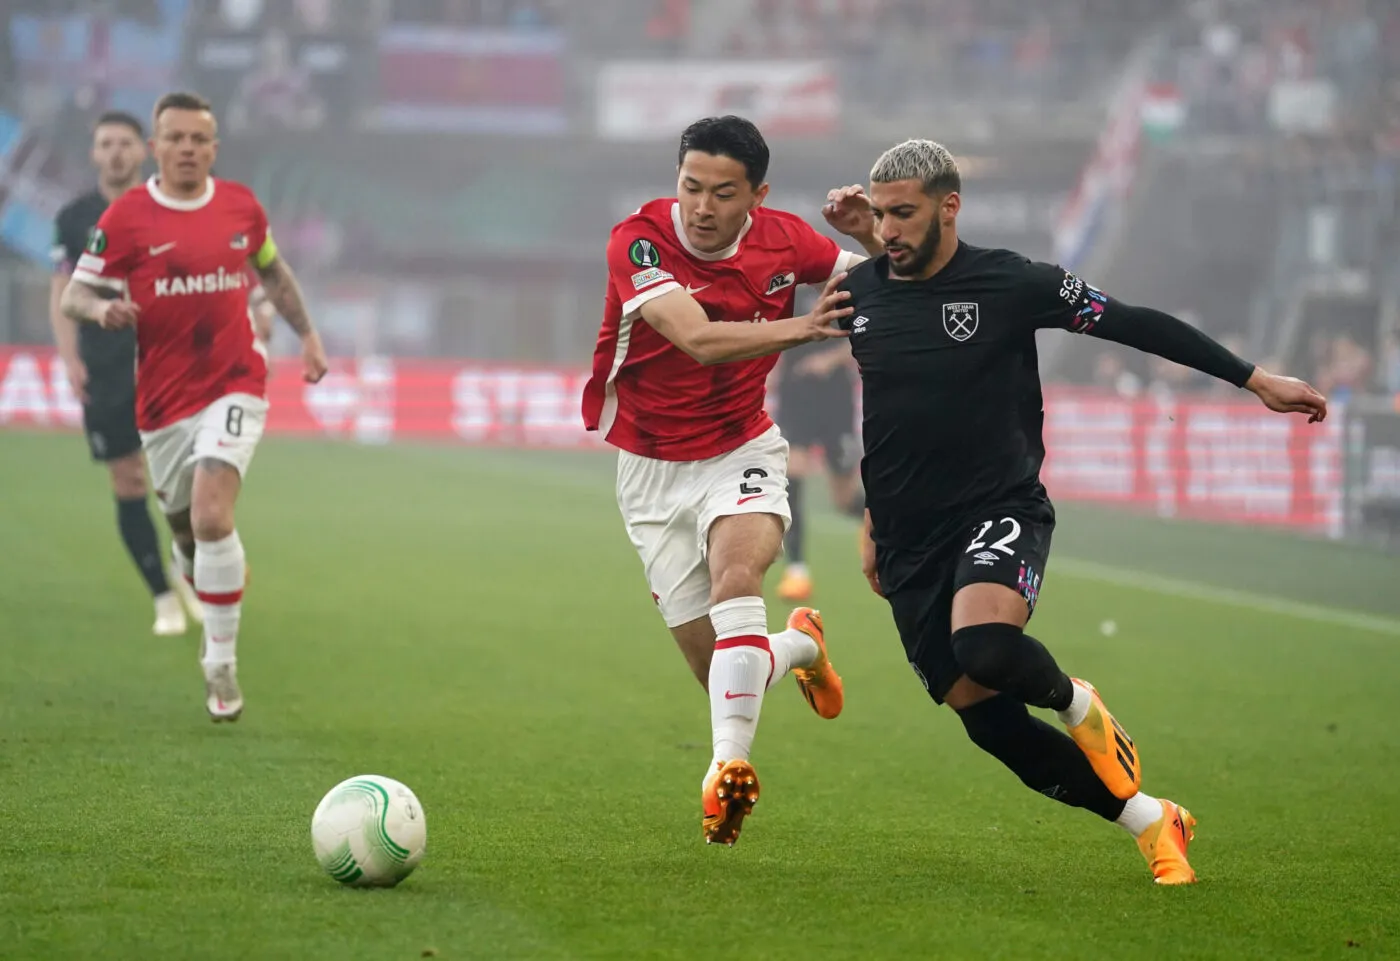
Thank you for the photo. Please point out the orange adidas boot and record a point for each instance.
(1108, 747)
(1164, 845)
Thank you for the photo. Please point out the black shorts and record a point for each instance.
(821, 412)
(109, 416)
(1009, 545)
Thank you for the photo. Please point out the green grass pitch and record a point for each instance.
(475, 624)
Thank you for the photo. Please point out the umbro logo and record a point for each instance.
(985, 559)
(859, 324)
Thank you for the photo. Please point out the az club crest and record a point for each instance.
(960, 321)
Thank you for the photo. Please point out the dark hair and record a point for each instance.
(732, 137)
(180, 100)
(120, 118)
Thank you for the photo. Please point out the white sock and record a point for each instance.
(739, 673)
(791, 648)
(1140, 813)
(183, 565)
(218, 580)
(1078, 709)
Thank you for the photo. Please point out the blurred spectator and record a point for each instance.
(277, 94)
(1111, 373)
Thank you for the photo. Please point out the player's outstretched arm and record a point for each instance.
(681, 320)
(284, 293)
(1173, 339)
(84, 302)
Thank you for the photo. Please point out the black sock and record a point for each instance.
(797, 532)
(139, 535)
(1045, 759)
(1003, 657)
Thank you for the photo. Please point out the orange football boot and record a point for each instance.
(1108, 747)
(1164, 845)
(819, 684)
(727, 798)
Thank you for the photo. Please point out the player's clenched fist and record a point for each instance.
(118, 313)
(313, 358)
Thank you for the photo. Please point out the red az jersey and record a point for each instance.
(184, 263)
(648, 396)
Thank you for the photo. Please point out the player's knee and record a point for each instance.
(989, 653)
(128, 478)
(211, 524)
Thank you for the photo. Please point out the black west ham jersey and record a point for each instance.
(108, 354)
(952, 399)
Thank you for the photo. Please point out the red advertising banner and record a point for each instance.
(1194, 457)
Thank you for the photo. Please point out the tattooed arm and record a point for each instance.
(285, 295)
(82, 301)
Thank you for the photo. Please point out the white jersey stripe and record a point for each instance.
(630, 311)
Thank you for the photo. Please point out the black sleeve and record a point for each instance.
(1054, 297)
(61, 251)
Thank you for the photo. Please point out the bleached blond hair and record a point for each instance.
(923, 160)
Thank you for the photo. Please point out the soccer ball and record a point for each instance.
(369, 831)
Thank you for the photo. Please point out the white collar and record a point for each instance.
(724, 254)
(165, 201)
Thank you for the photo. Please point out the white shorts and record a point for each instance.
(227, 430)
(668, 507)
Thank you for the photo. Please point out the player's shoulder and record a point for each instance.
(865, 275)
(136, 200)
(82, 210)
(994, 259)
(770, 223)
(235, 194)
(653, 216)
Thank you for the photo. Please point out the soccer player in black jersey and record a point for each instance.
(958, 525)
(101, 368)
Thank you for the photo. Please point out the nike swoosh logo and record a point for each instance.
(157, 251)
(695, 290)
(730, 695)
(745, 500)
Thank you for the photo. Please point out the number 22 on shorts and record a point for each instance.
(1003, 544)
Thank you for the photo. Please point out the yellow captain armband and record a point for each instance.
(267, 253)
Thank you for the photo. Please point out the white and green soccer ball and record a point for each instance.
(368, 831)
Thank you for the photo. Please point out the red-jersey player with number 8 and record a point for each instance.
(689, 336)
(171, 258)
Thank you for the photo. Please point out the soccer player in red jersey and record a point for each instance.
(691, 330)
(170, 258)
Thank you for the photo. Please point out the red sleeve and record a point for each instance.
(818, 257)
(638, 264)
(111, 252)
